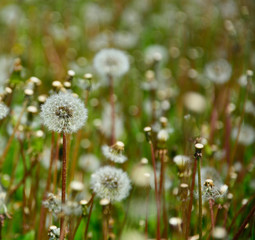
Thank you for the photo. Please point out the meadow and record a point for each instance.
(127, 120)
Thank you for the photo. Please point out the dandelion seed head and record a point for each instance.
(89, 162)
(110, 183)
(194, 102)
(163, 135)
(63, 112)
(115, 152)
(219, 233)
(218, 71)
(112, 62)
(155, 53)
(4, 110)
(181, 162)
(246, 135)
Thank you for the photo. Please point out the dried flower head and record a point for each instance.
(111, 62)
(54, 233)
(4, 110)
(111, 183)
(63, 112)
(53, 203)
(218, 71)
(115, 152)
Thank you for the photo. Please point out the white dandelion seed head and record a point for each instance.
(212, 186)
(4, 110)
(246, 135)
(155, 53)
(181, 161)
(194, 102)
(110, 61)
(141, 175)
(114, 153)
(218, 71)
(54, 233)
(63, 112)
(163, 135)
(110, 183)
(89, 162)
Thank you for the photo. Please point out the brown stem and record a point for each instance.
(191, 198)
(147, 210)
(211, 202)
(63, 195)
(75, 154)
(3, 157)
(239, 211)
(90, 211)
(111, 85)
(246, 220)
(43, 210)
(156, 189)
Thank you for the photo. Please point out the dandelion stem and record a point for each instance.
(211, 202)
(63, 196)
(156, 189)
(12, 136)
(200, 198)
(111, 85)
(191, 198)
(246, 220)
(43, 210)
(90, 211)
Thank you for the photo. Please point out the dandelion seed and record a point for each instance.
(115, 152)
(112, 62)
(63, 113)
(110, 183)
(4, 110)
(218, 71)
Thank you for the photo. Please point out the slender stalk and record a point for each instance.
(111, 85)
(43, 210)
(147, 210)
(200, 198)
(246, 220)
(156, 189)
(211, 202)
(90, 211)
(12, 136)
(63, 196)
(191, 198)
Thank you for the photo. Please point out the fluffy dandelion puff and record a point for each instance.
(110, 183)
(115, 152)
(4, 110)
(246, 135)
(63, 112)
(218, 71)
(112, 62)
